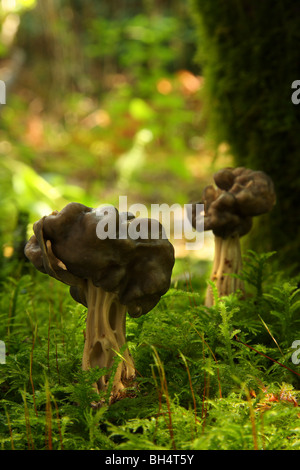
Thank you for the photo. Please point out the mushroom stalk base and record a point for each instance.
(105, 334)
(227, 260)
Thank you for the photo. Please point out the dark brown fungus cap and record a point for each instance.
(65, 245)
(240, 194)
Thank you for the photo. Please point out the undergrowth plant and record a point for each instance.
(207, 378)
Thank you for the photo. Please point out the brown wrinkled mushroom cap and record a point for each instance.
(65, 246)
(240, 194)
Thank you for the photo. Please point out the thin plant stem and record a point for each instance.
(56, 360)
(264, 355)
(27, 423)
(252, 419)
(48, 426)
(48, 341)
(192, 389)
(213, 355)
(58, 422)
(30, 370)
(164, 389)
(10, 429)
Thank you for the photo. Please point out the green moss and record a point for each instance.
(203, 378)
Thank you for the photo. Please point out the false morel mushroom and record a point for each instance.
(238, 195)
(126, 269)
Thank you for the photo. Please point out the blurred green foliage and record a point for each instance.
(82, 45)
(9, 19)
(146, 46)
(105, 104)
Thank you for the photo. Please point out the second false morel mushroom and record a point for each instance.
(110, 276)
(238, 195)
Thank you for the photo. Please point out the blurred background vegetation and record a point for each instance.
(145, 99)
(249, 51)
(104, 99)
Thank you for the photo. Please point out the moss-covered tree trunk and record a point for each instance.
(249, 51)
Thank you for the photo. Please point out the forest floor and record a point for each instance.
(208, 378)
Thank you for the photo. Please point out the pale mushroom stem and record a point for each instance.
(105, 334)
(227, 261)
